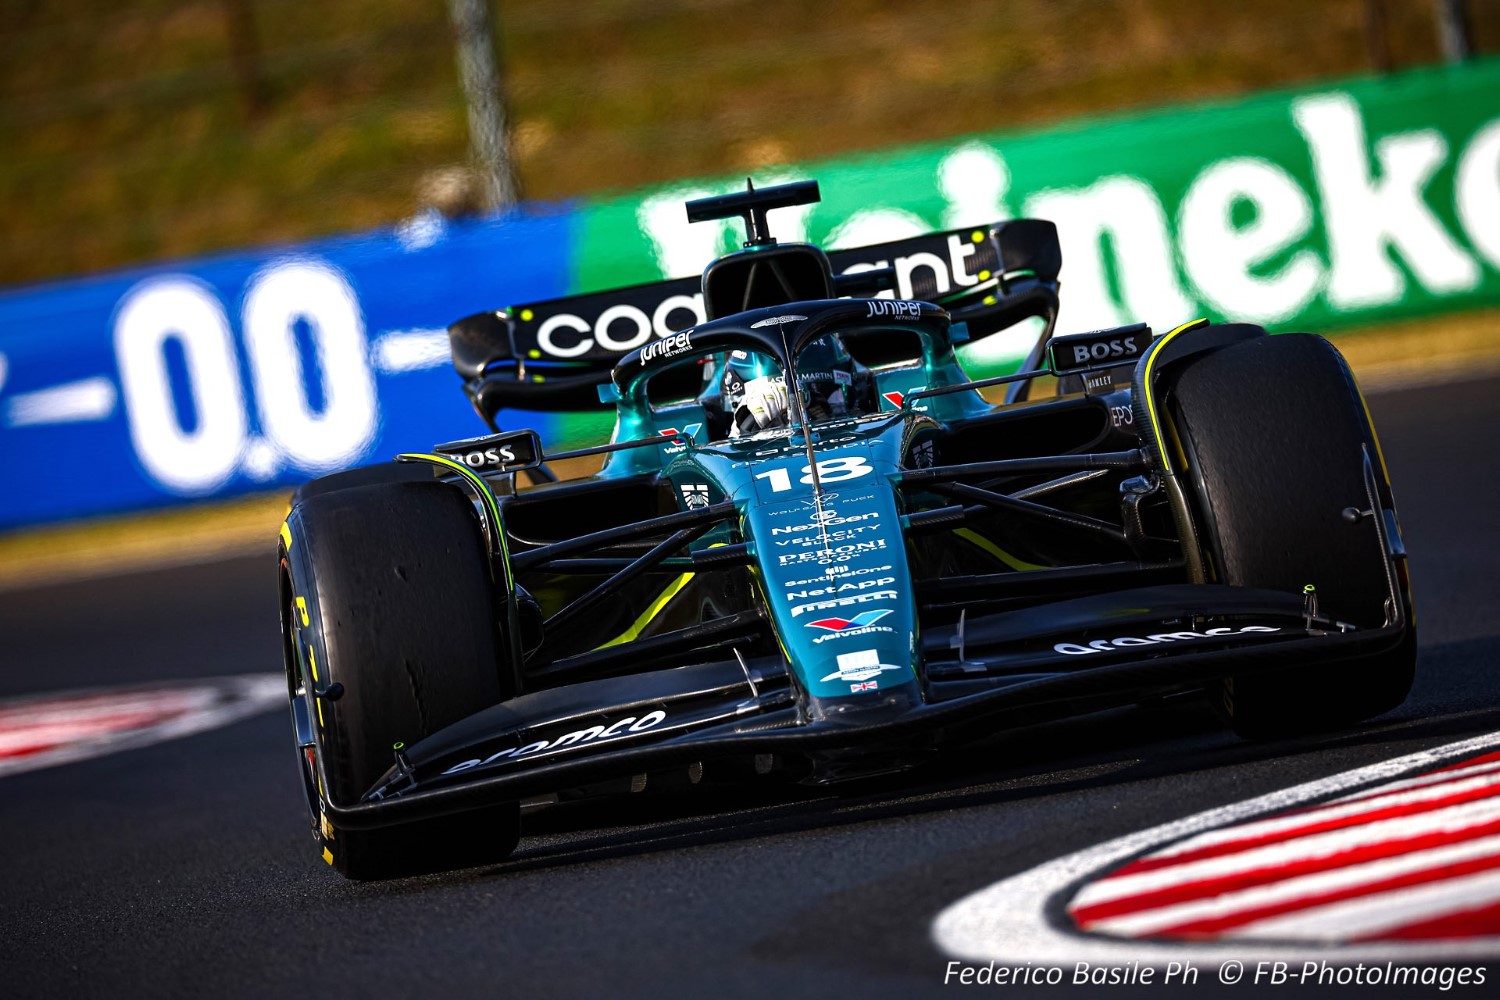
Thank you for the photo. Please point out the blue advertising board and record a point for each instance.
(250, 371)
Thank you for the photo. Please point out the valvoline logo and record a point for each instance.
(862, 620)
(689, 431)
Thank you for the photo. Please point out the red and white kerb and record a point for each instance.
(40, 731)
(1410, 860)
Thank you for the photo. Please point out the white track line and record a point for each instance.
(1457, 774)
(1338, 808)
(231, 699)
(1008, 921)
(1344, 808)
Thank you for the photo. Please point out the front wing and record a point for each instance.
(1145, 641)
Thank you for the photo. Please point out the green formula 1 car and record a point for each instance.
(816, 546)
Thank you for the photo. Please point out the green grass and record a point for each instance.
(126, 138)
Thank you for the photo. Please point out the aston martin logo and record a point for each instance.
(777, 321)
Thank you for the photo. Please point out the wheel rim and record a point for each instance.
(300, 698)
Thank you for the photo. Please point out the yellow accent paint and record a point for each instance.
(286, 536)
(526, 315)
(977, 236)
(634, 631)
(984, 276)
(302, 609)
(975, 538)
(313, 662)
(673, 589)
(327, 826)
(486, 494)
(327, 855)
(533, 354)
(989, 300)
(1149, 402)
(1177, 449)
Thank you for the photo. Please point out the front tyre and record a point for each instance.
(386, 590)
(1274, 433)
(364, 475)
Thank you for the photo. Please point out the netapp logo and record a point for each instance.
(840, 588)
(1106, 645)
(1103, 350)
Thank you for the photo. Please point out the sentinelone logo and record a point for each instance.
(1246, 240)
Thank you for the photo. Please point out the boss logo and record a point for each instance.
(485, 458)
(1103, 350)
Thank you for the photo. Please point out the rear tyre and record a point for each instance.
(1274, 433)
(386, 590)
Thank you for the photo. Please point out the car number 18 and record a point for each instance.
(830, 470)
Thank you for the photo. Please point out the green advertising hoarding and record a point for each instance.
(1349, 203)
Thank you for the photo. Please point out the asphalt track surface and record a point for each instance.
(185, 868)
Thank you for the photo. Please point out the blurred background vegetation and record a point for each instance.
(141, 130)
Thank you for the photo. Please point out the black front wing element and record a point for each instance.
(736, 707)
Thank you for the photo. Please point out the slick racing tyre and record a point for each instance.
(365, 475)
(386, 591)
(1274, 432)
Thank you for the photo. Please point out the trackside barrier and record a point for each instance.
(1349, 203)
(229, 375)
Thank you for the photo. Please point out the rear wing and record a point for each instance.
(553, 354)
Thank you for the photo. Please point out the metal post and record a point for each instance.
(1454, 36)
(1377, 37)
(489, 141)
(244, 56)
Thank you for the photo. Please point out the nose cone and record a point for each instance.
(833, 569)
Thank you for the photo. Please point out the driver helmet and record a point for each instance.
(824, 370)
